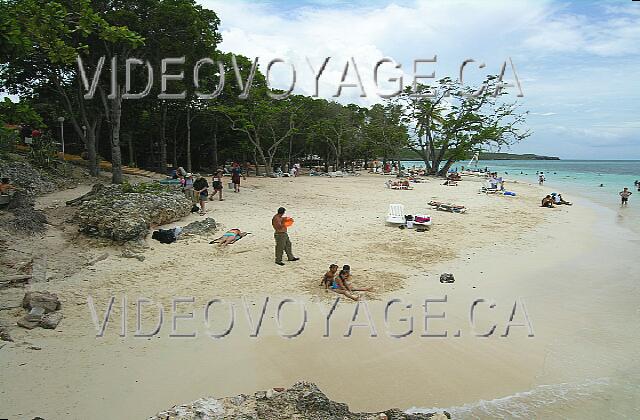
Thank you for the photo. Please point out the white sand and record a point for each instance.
(570, 266)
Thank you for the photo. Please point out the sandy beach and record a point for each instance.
(580, 361)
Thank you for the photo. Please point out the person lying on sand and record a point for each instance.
(329, 276)
(547, 202)
(229, 237)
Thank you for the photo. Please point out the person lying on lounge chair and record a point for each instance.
(229, 237)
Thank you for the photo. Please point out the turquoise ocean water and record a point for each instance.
(582, 177)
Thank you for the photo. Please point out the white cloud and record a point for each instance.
(568, 61)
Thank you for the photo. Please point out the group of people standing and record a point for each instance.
(196, 188)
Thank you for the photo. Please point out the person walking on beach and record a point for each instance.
(283, 244)
(200, 187)
(236, 171)
(625, 194)
(216, 183)
(188, 187)
(541, 178)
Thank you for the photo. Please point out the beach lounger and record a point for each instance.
(336, 174)
(396, 214)
(487, 188)
(389, 184)
(452, 208)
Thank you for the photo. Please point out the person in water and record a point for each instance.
(624, 195)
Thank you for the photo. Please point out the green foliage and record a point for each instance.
(8, 140)
(454, 121)
(43, 154)
(19, 113)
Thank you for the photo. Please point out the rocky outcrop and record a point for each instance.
(125, 213)
(200, 227)
(302, 401)
(27, 177)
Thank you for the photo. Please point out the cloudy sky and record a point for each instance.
(578, 62)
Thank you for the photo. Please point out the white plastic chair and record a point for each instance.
(396, 214)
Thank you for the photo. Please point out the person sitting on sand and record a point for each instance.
(562, 201)
(345, 275)
(329, 276)
(339, 286)
(5, 186)
(547, 202)
(229, 237)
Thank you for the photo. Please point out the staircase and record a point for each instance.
(104, 165)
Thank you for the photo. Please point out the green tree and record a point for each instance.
(456, 120)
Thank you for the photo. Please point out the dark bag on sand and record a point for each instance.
(165, 236)
(195, 208)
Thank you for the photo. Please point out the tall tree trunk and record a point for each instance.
(94, 165)
(163, 137)
(215, 146)
(116, 153)
(445, 169)
(188, 139)
(255, 160)
(132, 158)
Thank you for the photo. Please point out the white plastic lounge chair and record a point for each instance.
(396, 214)
(487, 188)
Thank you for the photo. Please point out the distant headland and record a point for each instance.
(411, 155)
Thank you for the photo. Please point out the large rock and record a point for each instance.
(302, 401)
(51, 320)
(125, 213)
(27, 177)
(45, 300)
(200, 227)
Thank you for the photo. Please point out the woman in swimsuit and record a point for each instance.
(229, 237)
(341, 284)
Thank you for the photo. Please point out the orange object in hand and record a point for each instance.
(288, 222)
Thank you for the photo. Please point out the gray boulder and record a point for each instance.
(125, 212)
(51, 320)
(200, 227)
(45, 300)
